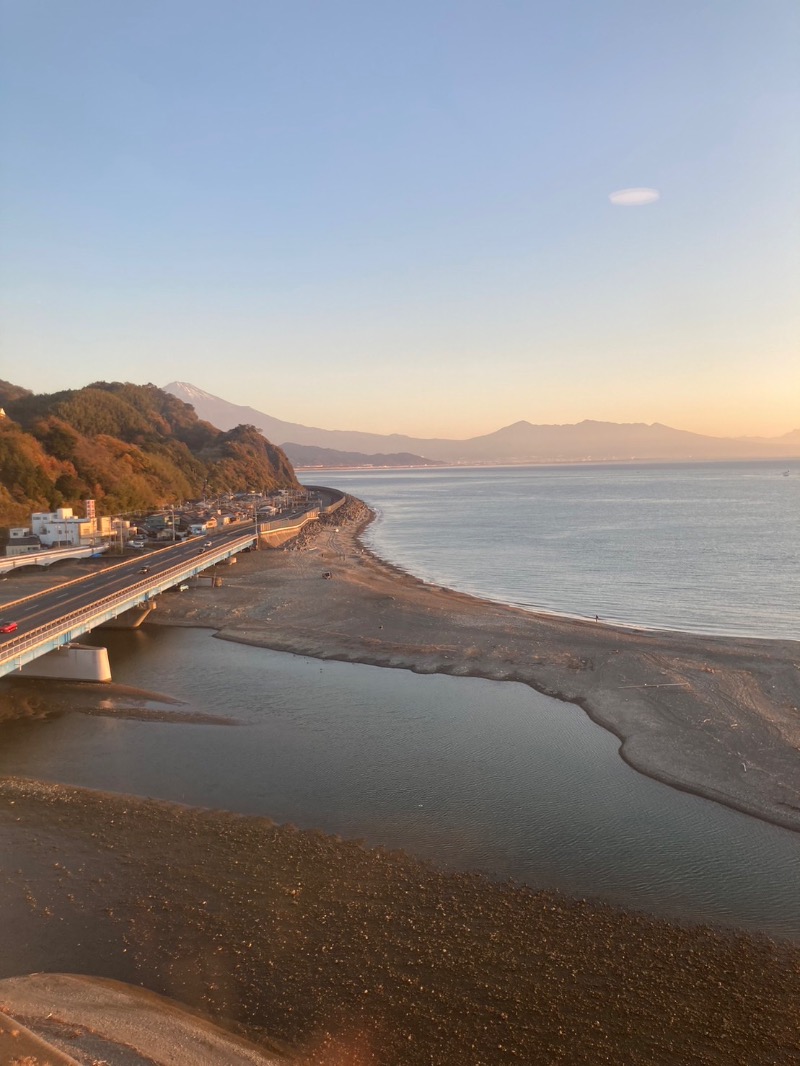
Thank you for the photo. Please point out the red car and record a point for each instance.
(8, 627)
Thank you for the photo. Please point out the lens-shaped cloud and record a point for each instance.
(634, 197)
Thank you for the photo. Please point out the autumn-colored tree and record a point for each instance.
(131, 447)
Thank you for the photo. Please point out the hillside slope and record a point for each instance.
(129, 447)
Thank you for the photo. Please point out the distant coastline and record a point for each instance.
(508, 464)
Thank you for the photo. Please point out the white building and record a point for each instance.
(60, 528)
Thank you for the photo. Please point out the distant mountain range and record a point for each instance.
(521, 442)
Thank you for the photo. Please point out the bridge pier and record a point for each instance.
(73, 662)
(130, 619)
(130, 604)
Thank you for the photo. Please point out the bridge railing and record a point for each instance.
(74, 581)
(48, 556)
(100, 610)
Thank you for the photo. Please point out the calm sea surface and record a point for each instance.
(481, 775)
(711, 547)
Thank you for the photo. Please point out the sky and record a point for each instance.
(405, 216)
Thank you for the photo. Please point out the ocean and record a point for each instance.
(700, 547)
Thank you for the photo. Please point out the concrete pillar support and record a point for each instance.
(73, 662)
(131, 619)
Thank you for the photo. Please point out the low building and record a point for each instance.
(21, 542)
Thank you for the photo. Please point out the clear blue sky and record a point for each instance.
(395, 216)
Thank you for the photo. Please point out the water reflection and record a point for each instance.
(472, 774)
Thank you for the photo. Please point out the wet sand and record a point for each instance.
(37, 699)
(719, 717)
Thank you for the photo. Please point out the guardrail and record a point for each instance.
(74, 581)
(106, 570)
(13, 652)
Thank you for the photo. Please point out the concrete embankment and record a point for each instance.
(278, 531)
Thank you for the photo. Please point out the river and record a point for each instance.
(472, 774)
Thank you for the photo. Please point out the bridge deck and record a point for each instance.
(51, 619)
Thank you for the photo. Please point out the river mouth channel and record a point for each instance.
(470, 774)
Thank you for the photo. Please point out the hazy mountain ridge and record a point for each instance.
(792, 437)
(518, 443)
(310, 455)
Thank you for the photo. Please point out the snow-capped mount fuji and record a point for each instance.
(226, 415)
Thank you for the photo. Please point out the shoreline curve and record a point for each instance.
(713, 716)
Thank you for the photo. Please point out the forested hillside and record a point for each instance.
(129, 447)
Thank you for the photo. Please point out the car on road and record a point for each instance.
(209, 544)
(6, 626)
(200, 551)
(144, 569)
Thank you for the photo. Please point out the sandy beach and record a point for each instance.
(719, 717)
(332, 954)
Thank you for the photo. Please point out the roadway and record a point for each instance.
(126, 583)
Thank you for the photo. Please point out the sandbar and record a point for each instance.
(715, 716)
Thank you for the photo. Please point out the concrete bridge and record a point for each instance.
(50, 622)
(48, 556)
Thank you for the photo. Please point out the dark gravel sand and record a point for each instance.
(356, 956)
